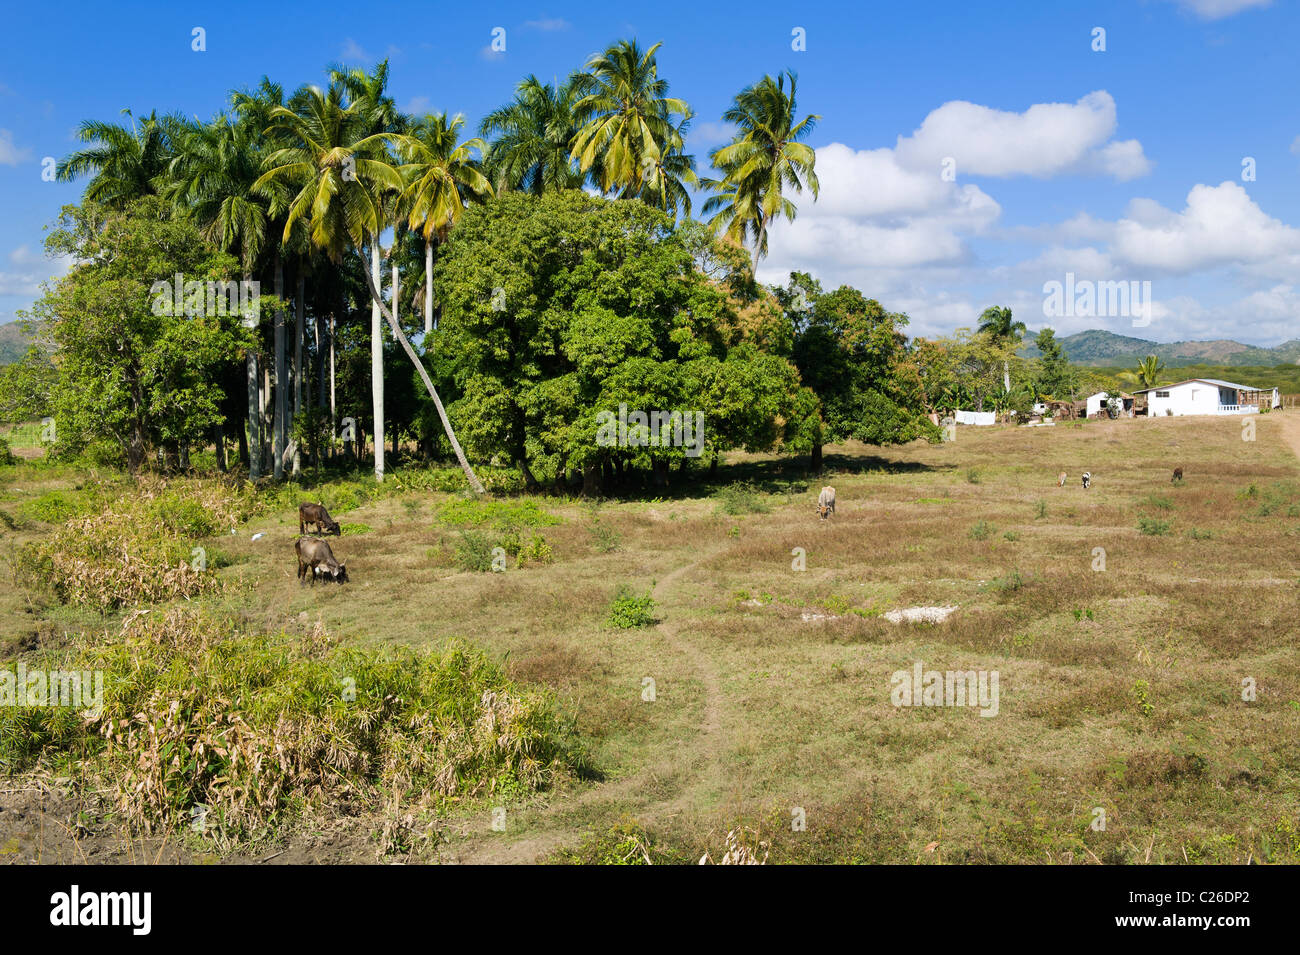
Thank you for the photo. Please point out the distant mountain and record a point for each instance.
(1097, 347)
(13, 342)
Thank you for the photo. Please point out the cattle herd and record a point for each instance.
(315, 558)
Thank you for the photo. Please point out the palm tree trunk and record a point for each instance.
(281, 431)
(1006, 376)
(428, 288)
(299, 332)
(377, 302)
(376, 358)
(254, 419)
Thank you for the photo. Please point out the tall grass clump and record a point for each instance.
(136, 548)
(259, 727)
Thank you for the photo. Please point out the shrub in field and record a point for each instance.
(137, 548)
(740, 497)
(974, 477)
(980, 531)
(6, 456)
(256, 726)
(1153, 527)
(605, 540)
(630, 610)
(52, 507)
(474, 552)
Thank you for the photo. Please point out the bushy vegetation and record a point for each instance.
(630, 610)
(256, 727)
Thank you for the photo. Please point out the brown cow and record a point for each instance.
(315, 557)
(1178, 476)
(316, 514)
(826, 502)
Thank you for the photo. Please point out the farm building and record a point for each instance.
(1208, 396)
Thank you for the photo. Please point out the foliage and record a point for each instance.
(629, 610)
(255, 726)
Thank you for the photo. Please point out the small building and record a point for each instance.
(1094, 404)
(1197, 396)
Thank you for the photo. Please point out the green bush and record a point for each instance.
(740, 497)
(6, 456)
(1153, 527)
(489, 512)
(980, 531)
(199, 711)
(630, 610)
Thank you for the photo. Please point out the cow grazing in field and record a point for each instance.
(316, 514)
(1060, 480)
(315, 557)
(826, 502)
(1087, 480)
(1178, 476)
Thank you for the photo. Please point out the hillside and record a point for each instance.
(13, 342)
(1099, 348)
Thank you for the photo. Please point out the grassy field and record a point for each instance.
(1121, 622)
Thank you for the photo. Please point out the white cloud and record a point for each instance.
(1048, 139)
(10, 153)
(1295, 146)
(30, 269)
(1220, 226)
(1218, 9)
(353, 51)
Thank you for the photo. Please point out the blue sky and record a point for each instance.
(969, 152)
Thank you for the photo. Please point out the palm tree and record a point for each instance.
(346, 186)
(127, 161)
(534, 139)
(1146, 374)
(998, 324)
(211, 177)
(628, 117)
(667, 175)
(441, 174)
(765, 157)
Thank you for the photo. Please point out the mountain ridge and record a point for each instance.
(1097, 347)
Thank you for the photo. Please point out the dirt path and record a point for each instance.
(706, 773)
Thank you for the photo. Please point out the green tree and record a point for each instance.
(764, 159)
(130, 367)
(628, 118)
(127, 162)
(998, 324)
(1056, 376)
(532, 139)
(854, 357)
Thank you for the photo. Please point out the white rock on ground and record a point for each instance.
(920, 615)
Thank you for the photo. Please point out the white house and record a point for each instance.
(1207, 396)
(1096, 403)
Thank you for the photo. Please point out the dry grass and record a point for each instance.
(1120, 688)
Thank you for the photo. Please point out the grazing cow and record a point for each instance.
(1178, 476)
(826, 502)
(1060, 481)
(1087, 480)
(316, 514)
(315, 557)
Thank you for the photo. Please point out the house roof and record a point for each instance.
(1209, 381)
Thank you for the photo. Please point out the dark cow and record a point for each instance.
(1087, 480)
(316, 514)
(1178, 476)
(315, 557)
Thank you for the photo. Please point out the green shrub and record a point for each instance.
(629, 610)
(740, 497)
(605, 540)
(490, 512)
(6, 456)
(1153, 527)
(980, 531)
(474, 552)
(52, 507)
(253, 726)
(973, 476)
